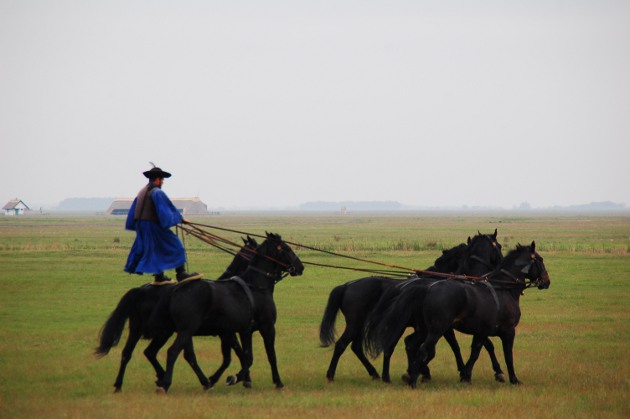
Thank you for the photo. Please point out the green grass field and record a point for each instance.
(62, 276)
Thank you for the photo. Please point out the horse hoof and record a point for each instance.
(160, 391)
(117, 390)
(406, 379)
(247, 384)
(426, 379)
(231, 380)
(330, 379)
(500, 377)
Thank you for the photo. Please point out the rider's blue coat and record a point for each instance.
(156, 248)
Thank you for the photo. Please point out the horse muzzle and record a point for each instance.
(296, 270)
(544, 281)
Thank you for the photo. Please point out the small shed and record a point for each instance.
(186, 206)
(15, 207)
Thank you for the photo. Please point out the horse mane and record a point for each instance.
(448, 257)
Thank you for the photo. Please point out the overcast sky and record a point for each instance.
(277, 103)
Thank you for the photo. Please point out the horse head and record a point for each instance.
(242, 259)
(483, 254)
(524, 262)
(278, 251)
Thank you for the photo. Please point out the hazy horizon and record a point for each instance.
(101, 204)
(273, 104)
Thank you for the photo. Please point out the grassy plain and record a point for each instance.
(62, 276)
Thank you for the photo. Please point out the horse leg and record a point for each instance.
(182, 339)
(452, 341)
(340, 347)
(498, 373)
(477, 342)
(387, 356)
(226, 350)
(412, 344)
(357, 348)
(425, 354)
(125, 357)
(151, 352)
(191, 357)
(242, 357)
(508, 344)
(247, 359)
(269, 338)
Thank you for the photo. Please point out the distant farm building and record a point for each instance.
(186, 206)
(15, 207)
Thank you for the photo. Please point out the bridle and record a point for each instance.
(522, 281)
(282, 269)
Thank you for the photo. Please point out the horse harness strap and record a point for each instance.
(496, 300)
(245, 287)
(408, 282)
(260, 271)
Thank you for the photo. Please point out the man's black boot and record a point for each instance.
(161, 277)
(183, 275)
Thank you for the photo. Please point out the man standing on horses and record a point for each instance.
(156, 247)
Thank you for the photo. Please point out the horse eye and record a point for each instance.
(279, 248)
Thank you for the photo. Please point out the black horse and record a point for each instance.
(356, 299)
(480, 308)
(138, 304)
(225, 308)
(481, 255)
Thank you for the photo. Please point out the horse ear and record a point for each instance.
(244, 241)
(479, 232)
(495, 233)
(533, 246)
(469, 240)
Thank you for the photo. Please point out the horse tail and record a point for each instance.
(327, 335)
(386, 326)
(381, 306)
(112, 330)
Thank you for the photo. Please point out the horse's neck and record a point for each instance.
(260, 275)
(233, 270)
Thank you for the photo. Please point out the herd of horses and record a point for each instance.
(471, 288)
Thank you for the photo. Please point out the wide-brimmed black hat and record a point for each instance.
(156, 173)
